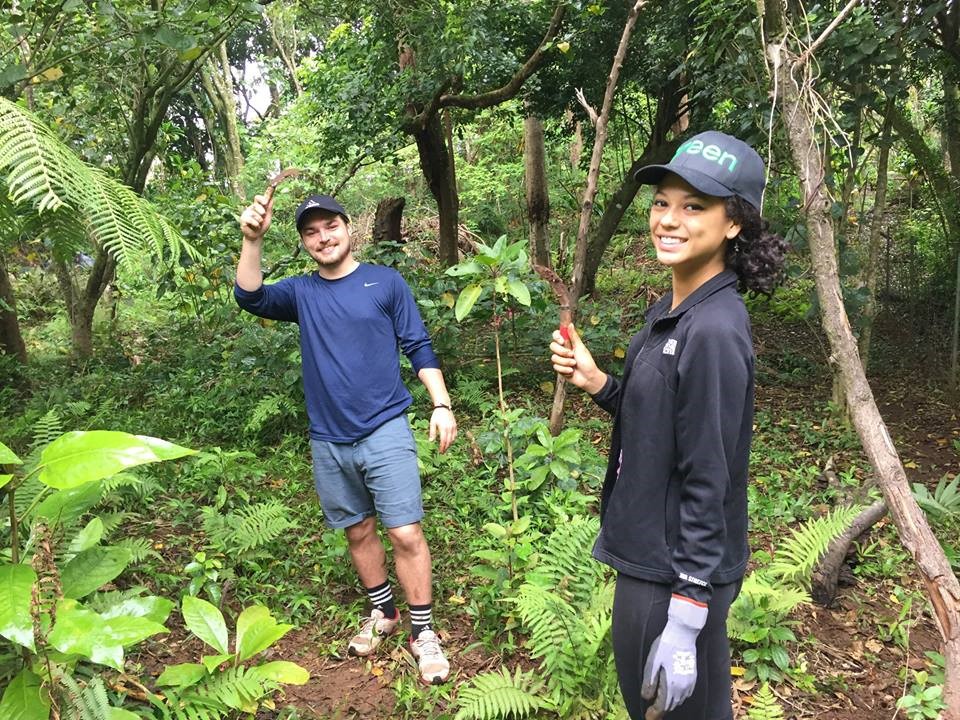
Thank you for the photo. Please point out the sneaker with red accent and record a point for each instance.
(372, 631)
(434, 668)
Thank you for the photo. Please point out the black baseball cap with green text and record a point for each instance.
(716, 164)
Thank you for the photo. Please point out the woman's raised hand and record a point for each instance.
(572, 360)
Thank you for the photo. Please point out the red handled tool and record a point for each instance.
(563, 298)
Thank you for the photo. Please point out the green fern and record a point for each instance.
(562, 567)
(140, 549)
(271, 406)
(247, 528)
(88, 702)
(46, 430)
(44, 175)
(765, 705)
(795, 558)
(188, 706)
(498, 695)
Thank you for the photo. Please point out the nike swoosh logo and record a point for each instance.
(366, 284)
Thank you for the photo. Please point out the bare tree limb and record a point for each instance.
(591, 113)
(808, 53)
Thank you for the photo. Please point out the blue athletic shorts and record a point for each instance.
(375, 475)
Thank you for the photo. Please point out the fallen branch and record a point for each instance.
(827, 571)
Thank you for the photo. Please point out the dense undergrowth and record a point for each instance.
(237, 525)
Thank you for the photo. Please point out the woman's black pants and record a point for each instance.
(639, 616)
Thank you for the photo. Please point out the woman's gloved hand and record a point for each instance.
(670, 673)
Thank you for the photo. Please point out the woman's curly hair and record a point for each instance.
(756, 255)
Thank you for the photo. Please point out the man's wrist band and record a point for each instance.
(442, 405)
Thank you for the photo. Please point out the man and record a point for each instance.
(352, 316)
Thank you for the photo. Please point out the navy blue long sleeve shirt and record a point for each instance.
(350, 331)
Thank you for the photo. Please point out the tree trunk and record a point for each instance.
(437, 169)
(538, 197)
(823, 585)
(11, 340)
(217, 83)
(388, 219)
(872, 267)
(657, 150)
(941, 584)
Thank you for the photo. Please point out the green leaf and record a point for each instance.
(537, 477)
(84, 632)
(498, 531)
(151, 607)
(16, 586)
(121, 714)
(24, 699)
(559, 469)
(256, 631)
(87, 537)
(212, 662)
(180, 42)
(206, 622)
(92, 569)
(466, 301)
(191, 54)
(284, 672)
(182, 675)
(79, 457)
(8, 457)
(4, 479)
(465, 268)
(67, 506)
(520, 291)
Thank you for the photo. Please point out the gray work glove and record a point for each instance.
(670, 673)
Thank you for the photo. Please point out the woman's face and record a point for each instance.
(690, 230)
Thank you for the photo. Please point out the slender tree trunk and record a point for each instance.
(872, 268)
(217, 82)
(942, 585)
(951, 125)
(538, 197)
(11, 339)
(437, 169)
(586, 207)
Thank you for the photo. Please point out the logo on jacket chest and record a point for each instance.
(670, 347)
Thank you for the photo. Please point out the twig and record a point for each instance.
(826, 33)
(591, 113)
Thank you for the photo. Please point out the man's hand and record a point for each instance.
(573, 361)
(443, 425)
(256, 218)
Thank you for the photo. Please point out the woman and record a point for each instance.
(674, 504)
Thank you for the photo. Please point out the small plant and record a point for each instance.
(924, 700)
(204, 574)
(764, 705)
(552, 456)
(222, 682)
(943, 503)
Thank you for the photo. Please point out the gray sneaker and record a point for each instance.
(434, 668)
(372, 631)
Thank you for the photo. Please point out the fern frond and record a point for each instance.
(188, 706)
(42, 173)
(562, 567)
(140, 549)
(270, 406)
(795, 557)
(85, 703)
(765, 705)
(239, 688)
(498, 695)
(780, 597)
(77, 407)
(248, 527)
(556, 630)
(46, 429)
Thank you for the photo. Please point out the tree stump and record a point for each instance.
(386, 222)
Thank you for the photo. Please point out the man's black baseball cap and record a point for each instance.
(716, 164)
(320, 202)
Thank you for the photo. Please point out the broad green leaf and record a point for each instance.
(519, 291)
(79, 457)
(191, 54)
(466, 301)
(537, 476)
(67, 506)
(16, 586)
(151, 607)
(87, 537)
(121, 714)
(83, 632)
(183, 675)
(500, 285)
(8, 457)
(4, 479)
(284, 672)
(92, 569)
(212, 662)
(24, 699)
(256, 631)
(498, 531)
(465, 268)
(206, 622)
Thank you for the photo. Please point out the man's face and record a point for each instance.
(326, 236)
